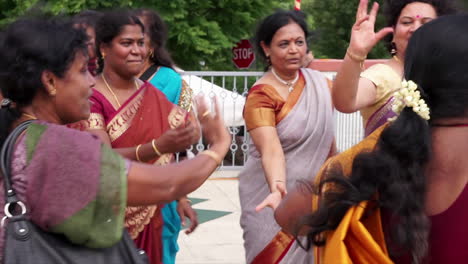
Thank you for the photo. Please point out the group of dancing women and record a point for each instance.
(111, 116)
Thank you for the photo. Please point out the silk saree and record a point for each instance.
(72, 184)
(305, 127)
(146, 115)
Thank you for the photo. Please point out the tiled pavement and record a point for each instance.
(218, 239)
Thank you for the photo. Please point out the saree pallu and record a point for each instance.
(357, 239)
(144, 116)
(306, 136)
(379, 117)
(71, 183)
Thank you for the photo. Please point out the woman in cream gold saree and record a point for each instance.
(135, 118)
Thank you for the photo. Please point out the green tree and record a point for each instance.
(199, 30)
(331, 25)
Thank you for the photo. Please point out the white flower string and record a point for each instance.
(409, 96)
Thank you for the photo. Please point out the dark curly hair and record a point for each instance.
(395, 169)
(267, 28)
(110, 25)
(157, 30)
(392, 11)
(28, 47)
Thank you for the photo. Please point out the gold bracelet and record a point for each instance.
(136, 152)
(155, 148)
(215, 156)
(355, 57)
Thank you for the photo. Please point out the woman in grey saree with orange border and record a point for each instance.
(304, 123)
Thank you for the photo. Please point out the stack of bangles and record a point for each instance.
(215, 156)
(153, 144)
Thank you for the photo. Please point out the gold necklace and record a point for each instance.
(30, 116)
(112, 92)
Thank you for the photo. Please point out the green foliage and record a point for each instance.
(332, 21)
(199, 30)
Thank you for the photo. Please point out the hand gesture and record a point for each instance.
(363, 36)
(273, 199)
(185, 209)
(212, 123)
(180, 138)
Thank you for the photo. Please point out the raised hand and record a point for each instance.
(212, 123)
(363, 35)
(184, 208)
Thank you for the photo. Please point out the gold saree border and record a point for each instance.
(176, 117)
(122, 121)
(137, 217)
(379, 114)
(292, 99)
(275, 250)
(186, 94)
(96, 121)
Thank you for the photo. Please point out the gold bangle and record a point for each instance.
(355, 57)
(215, 156)
(136, 152)
(155, 148)
(207, 112)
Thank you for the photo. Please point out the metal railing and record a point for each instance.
(231, 88)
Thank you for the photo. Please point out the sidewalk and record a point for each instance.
(218, 239)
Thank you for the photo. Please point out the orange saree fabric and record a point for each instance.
(265, 107)
(356, 240)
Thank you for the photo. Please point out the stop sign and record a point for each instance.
(243, 54)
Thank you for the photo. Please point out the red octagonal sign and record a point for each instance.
(243, 54)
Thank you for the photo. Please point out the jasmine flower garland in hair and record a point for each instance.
(409, 96)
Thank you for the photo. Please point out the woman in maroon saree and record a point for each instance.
(135, 118)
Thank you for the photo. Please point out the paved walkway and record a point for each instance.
(218, 239)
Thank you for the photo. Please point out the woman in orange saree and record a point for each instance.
(135, 118)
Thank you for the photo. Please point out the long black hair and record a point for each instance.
(28, 47)
(395, 169)
(109, 26)
(157, 31)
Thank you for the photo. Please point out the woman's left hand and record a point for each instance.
(184, 208)
(273, 199)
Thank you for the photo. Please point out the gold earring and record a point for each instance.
(103, 55)
(53, 92)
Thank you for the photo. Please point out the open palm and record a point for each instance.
(363, 35)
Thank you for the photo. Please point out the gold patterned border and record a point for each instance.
(378, 115)
(122, 121)
(185, 99)
(176, 117)
(137, 217)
